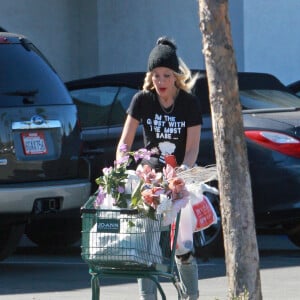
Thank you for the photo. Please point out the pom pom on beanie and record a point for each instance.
(163, 55)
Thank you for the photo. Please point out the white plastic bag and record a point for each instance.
(130, 244)
(132, 181)
(203, 213)
(185, 231)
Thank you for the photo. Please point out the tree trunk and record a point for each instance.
(241, 252)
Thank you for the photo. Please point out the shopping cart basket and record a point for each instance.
(124, 243)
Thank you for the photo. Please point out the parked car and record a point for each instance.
(271, 116)
(102, 102)
(43, 179)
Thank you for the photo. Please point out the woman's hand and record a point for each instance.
(127, 136)
(182, 168)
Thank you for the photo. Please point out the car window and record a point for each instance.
(94, 105)
(259, 99)
(122, 101)
(26, 79)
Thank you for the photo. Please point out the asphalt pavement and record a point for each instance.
(31, 275)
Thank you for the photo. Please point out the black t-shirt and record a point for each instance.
(166, 129)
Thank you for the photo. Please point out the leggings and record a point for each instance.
(188, 274)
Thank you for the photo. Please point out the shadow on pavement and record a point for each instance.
(31, 270)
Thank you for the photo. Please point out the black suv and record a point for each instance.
(43, 179)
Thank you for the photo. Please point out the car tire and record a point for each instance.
(209, 242)
(52, 234)
(9, 239)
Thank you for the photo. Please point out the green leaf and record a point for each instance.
(130, 224)
(151, 213)
(136, 195)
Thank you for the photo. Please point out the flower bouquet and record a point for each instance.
(142, 203)
(144, 189)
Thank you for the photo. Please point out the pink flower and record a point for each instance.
(123, 148)
(169, 172)
(177, 186)
(121, 189)
(107, 171)
(146, 173)
(100, 197)
(142, 153)
(123, 160)
(151, 196)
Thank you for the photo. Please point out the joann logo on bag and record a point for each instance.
(108, 225)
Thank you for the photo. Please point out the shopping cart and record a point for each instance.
(124, 243)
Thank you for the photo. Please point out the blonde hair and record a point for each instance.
(185, 80)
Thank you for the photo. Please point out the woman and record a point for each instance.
(171, 118)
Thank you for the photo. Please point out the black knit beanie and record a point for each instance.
(163, 55)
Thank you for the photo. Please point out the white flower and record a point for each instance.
(165, 204)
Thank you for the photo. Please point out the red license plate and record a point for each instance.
(34, 143)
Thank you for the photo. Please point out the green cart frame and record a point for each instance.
(123, 243)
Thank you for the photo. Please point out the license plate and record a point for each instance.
(34, 143)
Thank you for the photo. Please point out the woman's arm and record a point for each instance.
(192, 146)
(128, 134)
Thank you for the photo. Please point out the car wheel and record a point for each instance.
(209, 242)
(9, 239)
(293, 233)
(54, 234)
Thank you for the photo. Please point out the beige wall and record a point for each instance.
(88, 37)
(60, 29)
(129, 30)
